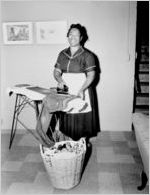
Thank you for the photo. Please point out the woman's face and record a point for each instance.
(74, 37)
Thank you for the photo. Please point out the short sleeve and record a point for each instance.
(89, 63)
(59, 62)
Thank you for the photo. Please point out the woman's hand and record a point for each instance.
(57, 76)
(61, 85)
(89, 79)
(81, 94)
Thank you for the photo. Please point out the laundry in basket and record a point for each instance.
(64, 162)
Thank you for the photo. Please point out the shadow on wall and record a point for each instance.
(94, 84)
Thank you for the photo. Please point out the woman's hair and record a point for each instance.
(82, 30)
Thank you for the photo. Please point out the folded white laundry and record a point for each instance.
(76, 105)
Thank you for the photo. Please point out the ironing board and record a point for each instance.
(25, 95)
(52, 102)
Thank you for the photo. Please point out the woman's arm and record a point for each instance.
(57, 75)
(89, 79)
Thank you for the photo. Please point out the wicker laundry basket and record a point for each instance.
(64, 168)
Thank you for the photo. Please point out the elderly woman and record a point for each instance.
(76, 68)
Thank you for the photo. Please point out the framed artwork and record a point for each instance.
(17, 33)
(53, 32)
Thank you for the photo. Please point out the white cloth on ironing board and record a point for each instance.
(23, 90)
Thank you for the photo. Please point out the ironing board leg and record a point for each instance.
(14, 123)
(37, 109)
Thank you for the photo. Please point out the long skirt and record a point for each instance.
(79, 125)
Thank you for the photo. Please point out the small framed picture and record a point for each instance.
(52, 32)
(17, 33)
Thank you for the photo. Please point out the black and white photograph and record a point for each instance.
(74, 97)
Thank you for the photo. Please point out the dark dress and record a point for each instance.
(79, 124)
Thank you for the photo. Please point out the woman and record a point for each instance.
(75, 68)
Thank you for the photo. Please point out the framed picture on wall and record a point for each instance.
(17, 33)
(52, 32)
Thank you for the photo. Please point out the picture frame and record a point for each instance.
(17, 33)
(51, 32)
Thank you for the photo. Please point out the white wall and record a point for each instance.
(111, 30)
